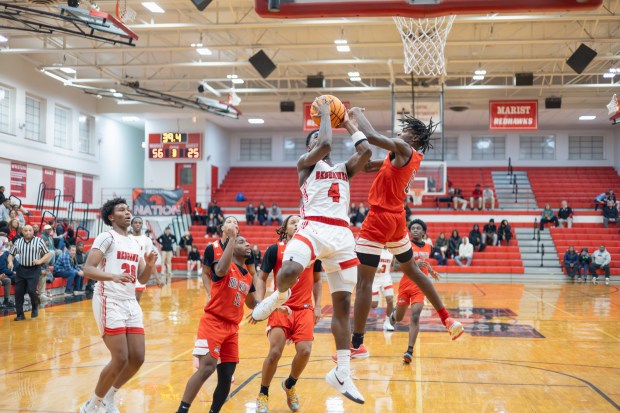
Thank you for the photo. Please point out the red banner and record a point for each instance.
(49, 179)
(309, 124)
(513, 114)
(87, 189)
(69, 186)
(19, 172)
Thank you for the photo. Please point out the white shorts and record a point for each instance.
(382, 284)
(333, 245)
(116, 317)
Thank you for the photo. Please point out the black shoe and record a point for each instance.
(35, 313)
(19, 317)
(9, 304)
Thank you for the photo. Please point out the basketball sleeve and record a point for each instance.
(270, 258)
(103, 242)
(318, 266)
(208, 256)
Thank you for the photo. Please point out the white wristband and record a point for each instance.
(358, 137)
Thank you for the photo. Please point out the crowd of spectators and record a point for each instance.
(580, 264)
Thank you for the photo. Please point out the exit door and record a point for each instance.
(186, 180)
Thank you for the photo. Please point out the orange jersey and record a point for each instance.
(301, 292)
(391, 185)
(228, 294)
(421, 252)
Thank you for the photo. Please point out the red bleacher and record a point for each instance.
(592, 237)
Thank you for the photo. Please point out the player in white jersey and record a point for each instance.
(146, 246)
(117, 262)
(324, 234)
(382, 283)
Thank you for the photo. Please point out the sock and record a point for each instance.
(290, 382)
(410, 349)
(96, 400)
(344, 361)
(357, 340)
(264, 390)
(443, 314)
(184, 407)
(111, 393)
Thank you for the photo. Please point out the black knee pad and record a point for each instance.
(369, 259)
(405, 256)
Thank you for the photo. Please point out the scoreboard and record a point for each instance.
(175, 145)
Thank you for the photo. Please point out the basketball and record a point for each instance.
(337, 110)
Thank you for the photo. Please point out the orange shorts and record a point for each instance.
(218, 338)
(384, 226)
(409, 295)
(297, 327)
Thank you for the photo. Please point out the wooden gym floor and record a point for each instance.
(527, 348)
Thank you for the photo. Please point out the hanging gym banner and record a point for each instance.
(157, 202)
(19, 172)
(513, 114)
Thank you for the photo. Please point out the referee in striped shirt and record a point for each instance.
(33, 253)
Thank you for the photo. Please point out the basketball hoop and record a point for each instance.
(424, 42)
(124, 13)
(418, 193)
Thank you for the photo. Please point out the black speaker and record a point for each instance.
(317, 81)
(263, 64)
(581, 58)
(287, 106)
(553, 103)
(524, 79)
(201, 4)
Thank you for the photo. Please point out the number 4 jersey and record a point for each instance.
(121, 255)
(326, 192)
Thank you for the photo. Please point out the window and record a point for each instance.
(537, 148)
(7, 110)
(342, 149)
(62, 124)
(86, 127)
(452, 152)
(294, 148)
(255, 149)
(585, 148)
(33, 120)
(488, 148)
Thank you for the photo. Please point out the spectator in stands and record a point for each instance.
(70, 237)
(211, 226)
(61, 227)
(15, 230)
(432, 187)
(600, 261)
(441, 249)
(547, 216)
(80, 258)
(5, 208)
(427, 239)
(35, 229)
(453, 244)
(571, 262)
(216, 211)
(504, 233)
(476, 198)
(565, 215)
(488, 197)
(7, 277)
(353, 210)
(257, 256)
(186, 242)
(489, 232)
(361, 215)
(261, 214)
(408, 213)
(2, 196)
(48, 238)
(66, 267)
(250, 214)
(194, 261)
(610, 214)
(585, 259)
(466, 252)
(457, 198)
(599, 201)
(475, 238)
(15, 213)
(167, 242)
(200, 215)
(275, 214)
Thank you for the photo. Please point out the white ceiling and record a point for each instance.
(501, 44)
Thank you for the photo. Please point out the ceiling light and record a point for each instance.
(609, 75)
(196, 45)
(130, 119)
(343, 48)
(117, 95)
(231, 76)
(478, 77)
(237, 81)
(82, 119)
(587, 117)
(480, 72)
(614, 70)
(340, 41)
(204, 51)
(54, 76)
(68, 70)
(3, 39)
(355, 79)
(354, 74)
(256, 121)
(153, 7)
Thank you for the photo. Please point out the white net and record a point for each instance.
(424, 42)
(124, 12)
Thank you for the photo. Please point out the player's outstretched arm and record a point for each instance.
(324, 145)
(362, 154)
(260, 283)
(223, 264)
(373, 166)
(398, 146)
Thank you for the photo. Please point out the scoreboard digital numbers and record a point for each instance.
(175, 145)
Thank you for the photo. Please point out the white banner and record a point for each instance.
(425, 110)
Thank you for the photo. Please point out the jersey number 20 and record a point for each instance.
(334, 192)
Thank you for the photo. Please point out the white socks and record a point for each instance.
(96, 401)
(344, 362)
(110, 394)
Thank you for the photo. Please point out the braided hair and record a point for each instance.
(421, 131)
(281, 230)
